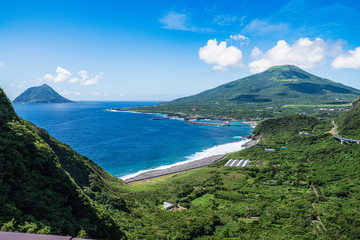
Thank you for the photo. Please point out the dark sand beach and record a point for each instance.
(184, 167)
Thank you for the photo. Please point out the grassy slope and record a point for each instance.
(275, 87)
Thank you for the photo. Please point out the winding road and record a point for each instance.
(341, 139)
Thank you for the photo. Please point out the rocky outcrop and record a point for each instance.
(356, 102)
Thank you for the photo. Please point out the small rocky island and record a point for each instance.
(41, 94)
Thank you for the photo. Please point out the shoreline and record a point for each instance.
(185, 117)
(196, 164)
(186, 165)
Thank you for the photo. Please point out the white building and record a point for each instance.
(168, 206)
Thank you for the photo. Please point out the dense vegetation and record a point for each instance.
(288, 125)
(306, 189)
(41, 94)
(37, 195)
(265, 95)
(349, 123)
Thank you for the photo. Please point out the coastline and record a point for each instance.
(185, 117)
(189, 164)
(200, 163)
(175, 169)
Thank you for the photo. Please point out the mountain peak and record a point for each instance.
(259, 94)
(41, 94)
(284, 68)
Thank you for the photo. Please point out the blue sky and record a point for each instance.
(161, 50)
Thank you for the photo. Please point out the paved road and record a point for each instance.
(335, 134)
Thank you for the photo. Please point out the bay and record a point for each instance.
(124, 143)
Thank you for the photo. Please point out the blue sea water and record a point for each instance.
(124, 143)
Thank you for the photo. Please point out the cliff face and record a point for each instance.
(356, 102)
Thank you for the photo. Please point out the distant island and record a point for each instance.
(41, 94)
(278, 91)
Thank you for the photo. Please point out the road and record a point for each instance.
(341, 139)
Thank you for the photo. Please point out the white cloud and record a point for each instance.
(177, 21)
(303, 53)
(221, 56)
(349, 60)
(239, 38)
(225, 19)
(63, 75)
(84, 78)
(257, 26)
(89, 80)
(256, 53)
(77, 93)
(65, 92)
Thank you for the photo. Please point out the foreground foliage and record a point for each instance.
(37, 195)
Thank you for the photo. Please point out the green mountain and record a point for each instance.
(38, 193)
(264, 94)
(41, 94)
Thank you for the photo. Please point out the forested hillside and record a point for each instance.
(278, 91)
(37, 195)
(41, 94)
(349, 123)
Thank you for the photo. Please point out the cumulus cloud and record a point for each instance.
(221, 56)
(177, 21)
(63, 75)
(303, 53)
(349, 60)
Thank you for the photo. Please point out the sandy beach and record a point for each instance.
(184, 167)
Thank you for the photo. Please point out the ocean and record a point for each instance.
(126, 143)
